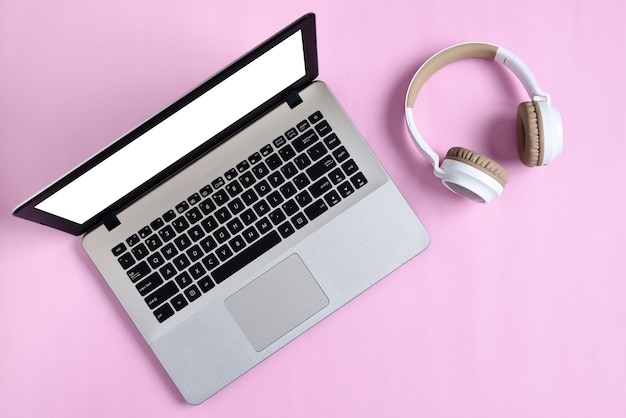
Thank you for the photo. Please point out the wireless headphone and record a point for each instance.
(539, 129)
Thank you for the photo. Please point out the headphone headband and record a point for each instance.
(540, 134)
(474, 50)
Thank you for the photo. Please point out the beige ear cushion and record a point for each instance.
(530, 134)
(479, 161)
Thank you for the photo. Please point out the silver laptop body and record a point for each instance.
(218, 270)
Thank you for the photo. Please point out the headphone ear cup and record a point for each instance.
(530, 135)
(479, 161)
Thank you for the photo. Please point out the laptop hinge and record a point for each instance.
(110, 221)
(293, 99)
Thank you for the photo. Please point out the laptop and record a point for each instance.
(238, 217)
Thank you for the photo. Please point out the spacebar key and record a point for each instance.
(242, 259)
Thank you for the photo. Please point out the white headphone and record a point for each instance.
(539, 129)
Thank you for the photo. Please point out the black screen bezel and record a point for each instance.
(28, 209)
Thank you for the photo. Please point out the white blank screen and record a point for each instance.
(180, 134)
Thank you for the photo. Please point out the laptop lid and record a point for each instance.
(194, 124)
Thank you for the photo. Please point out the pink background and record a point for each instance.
(517, 309)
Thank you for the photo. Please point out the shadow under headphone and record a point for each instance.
(539, 129)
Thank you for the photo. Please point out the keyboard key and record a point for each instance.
(345, 189)
(237, 244)
(317, 151)
(264, 225)
(192, 293)
(181, 262)
(161, 295)
(291, 133)
(280, 141)
(287, 152)
(332, 141)
(193, 215)
(218, 182)
(303, 198)
(332, 198)
(233, 188)
(182, 242)
(262, 188)
(315, 117)
(336, 176)
(320, 187)
(341, 154)
(243, 166)
(118, 249)
(148, 284)
(164, 312)
(299, 220)
(208, 244)
(196, 233)
(126, 260)
(303, 125)
(194, 253)
(221, 235)
(254, 158)
(286, 229)
(157, 224)
(323, 128)
(290, 207)
(301, 181)
(289, 170)
(275, 198)
(246, 256)
(179, 302)
(224, 252)
(169, 215)
(250, 234)
(210, 262)
(182, 207)
(220, 197)
(205, 284)
(358, 180)
(260, 170)
(277, 216)
(183, 280)
(206, 190)
(247, 179)
(132, 240)
(321, 167)
(222, 215)
(305, 140)
(167, 233)
(209, 224)
(302, 161)
(167, 271)
(144, 232)
(169, 251)
(315, 209)
(138, 272)
(230, 174)
(261, 208)
(180, 224)
(194, 199)
(197, 271)
(266, 150)
(156, 260)
(273, 161)
(140, 251)
(350, 167)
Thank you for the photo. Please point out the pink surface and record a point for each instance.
(517, 309)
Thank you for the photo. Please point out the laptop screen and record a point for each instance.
(180, 134)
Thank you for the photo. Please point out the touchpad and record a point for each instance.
(276, 302)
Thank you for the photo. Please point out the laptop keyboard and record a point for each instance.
(237, 217)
